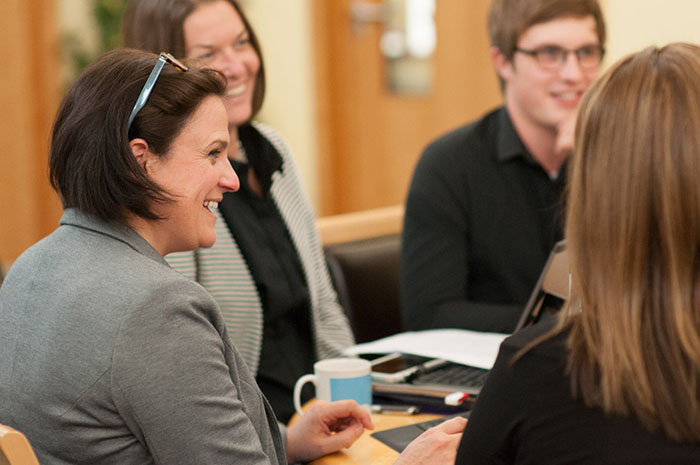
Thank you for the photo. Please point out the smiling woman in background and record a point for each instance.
(617, 380)
(267, 270)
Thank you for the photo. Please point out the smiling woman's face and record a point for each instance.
(196, 171)
(216, 36)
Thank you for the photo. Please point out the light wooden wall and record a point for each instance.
(29, 95)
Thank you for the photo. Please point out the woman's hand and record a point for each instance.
(437, 445)
(324, 428)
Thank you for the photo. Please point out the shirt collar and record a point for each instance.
(509, 145)
(262, 156)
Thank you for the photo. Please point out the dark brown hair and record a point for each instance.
(158, 25)
(509, 19)
(91, 164)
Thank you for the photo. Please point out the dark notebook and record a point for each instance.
(399, 438)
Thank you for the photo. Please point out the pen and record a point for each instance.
(398, 409)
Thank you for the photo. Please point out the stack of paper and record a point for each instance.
(471, 348)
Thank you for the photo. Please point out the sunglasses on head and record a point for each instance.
(151, 81)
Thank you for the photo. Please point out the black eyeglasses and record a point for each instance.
(552, 57)
(151, 81)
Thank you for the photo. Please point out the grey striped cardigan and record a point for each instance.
(225, 274)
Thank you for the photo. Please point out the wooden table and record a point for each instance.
(369, 451)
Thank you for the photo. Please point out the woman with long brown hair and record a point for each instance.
(617, 379)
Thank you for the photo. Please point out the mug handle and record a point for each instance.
(297, 391)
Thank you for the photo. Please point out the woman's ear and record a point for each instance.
(139, 148)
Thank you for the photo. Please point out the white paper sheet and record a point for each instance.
(471, 348)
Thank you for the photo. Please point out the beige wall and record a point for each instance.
(635, 24)
(77, 25)
(284, 28)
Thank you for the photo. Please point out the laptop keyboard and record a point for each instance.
(453, 374)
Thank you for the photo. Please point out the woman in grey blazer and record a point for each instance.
(107, 355)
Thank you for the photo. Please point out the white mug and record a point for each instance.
(338, 379)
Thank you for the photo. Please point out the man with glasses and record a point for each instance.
(485, 204)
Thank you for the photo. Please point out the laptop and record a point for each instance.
(547, 298)
(552, 288)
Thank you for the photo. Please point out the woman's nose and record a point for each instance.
(231, 63)
(229, 179)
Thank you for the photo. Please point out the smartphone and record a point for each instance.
(399, 367)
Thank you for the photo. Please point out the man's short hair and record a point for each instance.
(509, 19)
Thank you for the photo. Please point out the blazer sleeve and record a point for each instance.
(179, 387)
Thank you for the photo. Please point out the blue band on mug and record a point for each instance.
(359, 389)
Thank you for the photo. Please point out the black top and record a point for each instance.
(525, 414)
(287, 349)
(481, 218)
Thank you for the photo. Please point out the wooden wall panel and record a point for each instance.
(29, 96)
(370, 137)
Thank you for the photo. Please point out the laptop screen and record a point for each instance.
(552, 288)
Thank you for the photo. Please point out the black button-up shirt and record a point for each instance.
(262, 235)
(481, 218)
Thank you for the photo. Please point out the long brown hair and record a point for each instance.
(633, 235)
(158, 25)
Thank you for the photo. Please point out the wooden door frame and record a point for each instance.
(465, 86)
(29, 208)
(323, 76)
